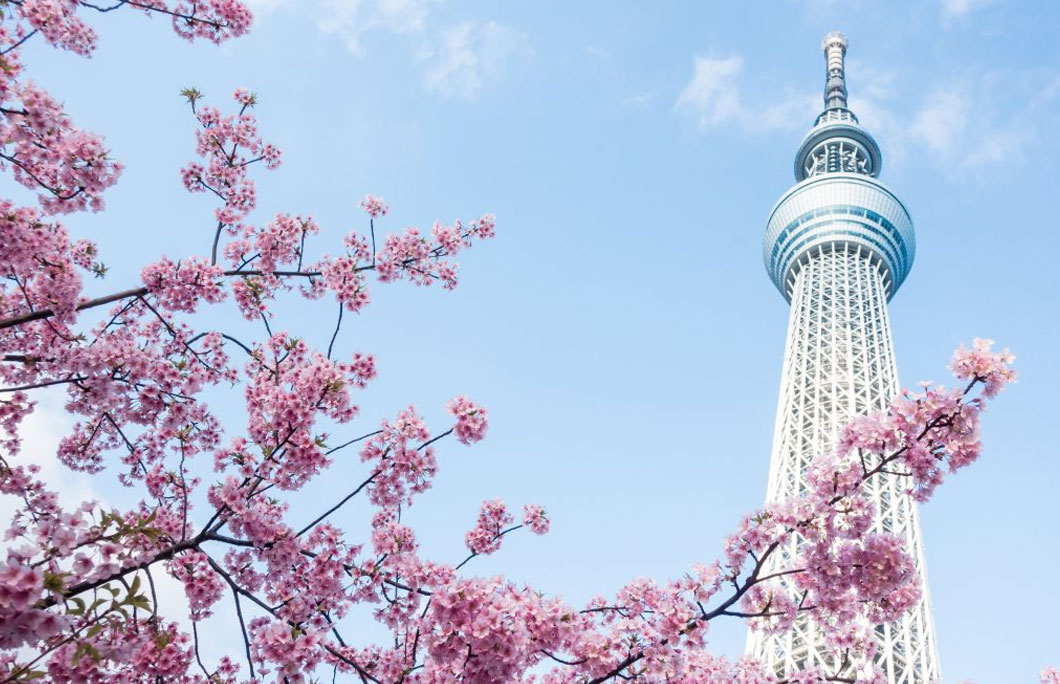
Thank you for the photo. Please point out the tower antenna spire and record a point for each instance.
(835, 89)
(837, 143)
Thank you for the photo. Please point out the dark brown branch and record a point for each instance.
(337, 506)
(136, 292)
(38, 385)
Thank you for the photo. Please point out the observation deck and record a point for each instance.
(837, 200)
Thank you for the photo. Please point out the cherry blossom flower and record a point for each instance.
(375, 206)
(534, 517)
(470, 419)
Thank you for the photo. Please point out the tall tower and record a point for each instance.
(838, 245)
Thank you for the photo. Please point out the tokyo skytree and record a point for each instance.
(838, 244)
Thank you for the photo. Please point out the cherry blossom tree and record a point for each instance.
(79, 596)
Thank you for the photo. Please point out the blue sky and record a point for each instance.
(621, 329)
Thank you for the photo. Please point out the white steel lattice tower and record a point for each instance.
(838, 245)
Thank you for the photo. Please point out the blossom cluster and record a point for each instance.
(375, 206)
(423, 261)
(471, 420)
(43, 260)
(936, 429)
(68, 167)
(289, 388)
(535, 518)
(229, 145)
(402, 461)
(980, 362)
(59, 24)
(485, 536)
(182, 285)
(202, 586)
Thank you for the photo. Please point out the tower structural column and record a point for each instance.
(838, 245)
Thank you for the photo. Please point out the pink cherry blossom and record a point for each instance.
(59, 24)
(202, 585)
(485, 536)
(994, 369)
(69, 168)
(181, 286)
(375, 206)
(534, 517)
(470, 419)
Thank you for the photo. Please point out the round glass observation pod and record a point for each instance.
(838, 144)
(837, 209)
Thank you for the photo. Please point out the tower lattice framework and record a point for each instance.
(838, 245)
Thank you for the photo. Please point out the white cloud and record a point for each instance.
(999, 146)
(975, 121)
(402, 16)
(952, 9)
(941, 122)
(346, 19)
(868, 80)
(260, 7)
(456, 61)
(713, 98)
(464, 58)
(351, 19)
(794, 110)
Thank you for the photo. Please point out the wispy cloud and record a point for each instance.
(967, 122)
(260, 7)
(351, 19)
(941, 122)
(961, 122)
(462, 59)
(951, 9)
(714, 98)
(456, 60)
(711, 97)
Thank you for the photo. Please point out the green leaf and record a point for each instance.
(53, 581)
(191, 94)
(79, 607)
